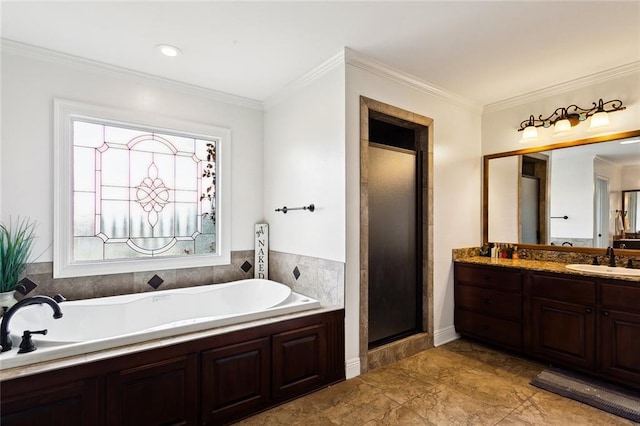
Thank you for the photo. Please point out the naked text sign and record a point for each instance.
(261, 269)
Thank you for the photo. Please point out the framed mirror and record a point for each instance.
(569, 195)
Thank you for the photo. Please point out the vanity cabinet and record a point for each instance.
(488, 304)
(213, 380)
(587, 323)
(563, 319)
(620, 331)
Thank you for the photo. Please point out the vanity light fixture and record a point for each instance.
(564, 118)
(168, 50)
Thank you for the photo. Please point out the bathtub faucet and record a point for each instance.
(5, 338)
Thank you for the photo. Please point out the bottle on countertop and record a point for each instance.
(515, 254)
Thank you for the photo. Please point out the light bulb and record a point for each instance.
(529, 134)
(168, 50)
(562, 127)
(599, 120)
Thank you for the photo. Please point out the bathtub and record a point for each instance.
(103, 323)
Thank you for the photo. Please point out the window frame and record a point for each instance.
(64, 265)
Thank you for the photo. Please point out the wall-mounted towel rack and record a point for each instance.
(565, 217)
(285, 209)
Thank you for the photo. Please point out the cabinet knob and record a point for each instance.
(588, 310)
(605, 313)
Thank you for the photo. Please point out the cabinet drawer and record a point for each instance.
(565, 289)
(621, 296)
(505, 332)
(488, 276)
(489, 301)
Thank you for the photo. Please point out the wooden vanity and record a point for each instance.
(583, 322)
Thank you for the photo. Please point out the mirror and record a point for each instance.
(570, 193)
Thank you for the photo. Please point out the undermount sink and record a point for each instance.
(604, 270)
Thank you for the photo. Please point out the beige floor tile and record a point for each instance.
(545, 408)
(399, 384)
(490, 389)
(460, 383)
(399, 416)
(365, 409)
(445, 406)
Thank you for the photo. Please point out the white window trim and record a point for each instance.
(63, 264)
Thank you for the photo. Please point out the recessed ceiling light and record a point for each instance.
(168, 50)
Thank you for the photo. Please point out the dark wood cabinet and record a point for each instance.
(620, 331)
(160, 393)
(299, 360)
(69, 404)
(586, 323)
(563, 319)
(488, 304)
(213, 380)
(563, 332)
(235, 380)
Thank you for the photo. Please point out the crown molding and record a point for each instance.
(371, 65)
(578, 83)
(302, 82)
(39, 53)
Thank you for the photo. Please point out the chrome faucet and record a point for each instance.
(5, 338)
(612, 257)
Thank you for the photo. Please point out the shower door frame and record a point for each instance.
(391, 352)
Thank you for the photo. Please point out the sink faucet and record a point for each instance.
(5, 339)
(612, 257)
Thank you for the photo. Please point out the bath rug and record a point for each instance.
(605, 396)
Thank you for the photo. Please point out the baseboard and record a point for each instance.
(445, 335)
(352, 367)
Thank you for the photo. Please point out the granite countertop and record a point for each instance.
(538, 265)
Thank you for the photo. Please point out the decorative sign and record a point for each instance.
(261, 269)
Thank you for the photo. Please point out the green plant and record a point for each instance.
(16, 244)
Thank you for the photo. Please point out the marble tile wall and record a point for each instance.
(318, 278)
(136, 282)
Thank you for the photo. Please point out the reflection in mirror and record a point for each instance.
(565, 194)
(628, 220)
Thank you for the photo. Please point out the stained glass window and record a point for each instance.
(137, 192)
(141, 193)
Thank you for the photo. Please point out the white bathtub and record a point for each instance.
(103, 323)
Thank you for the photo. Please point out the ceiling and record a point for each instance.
(484, 51)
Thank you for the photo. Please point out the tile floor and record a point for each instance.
(460, 383)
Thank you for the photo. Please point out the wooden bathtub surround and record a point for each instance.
(212, 381)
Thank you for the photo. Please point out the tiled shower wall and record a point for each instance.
(317, 278)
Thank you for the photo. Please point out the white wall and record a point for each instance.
(630, 177)
(304, 162)
(30, 82)
(457, 184)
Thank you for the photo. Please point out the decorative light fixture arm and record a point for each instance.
(573, 113)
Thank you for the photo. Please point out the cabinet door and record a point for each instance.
(621, 345)
(299, 361)
(235, 380)
(66, 405)
(164, 392)
(563, 332)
